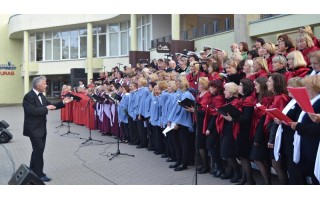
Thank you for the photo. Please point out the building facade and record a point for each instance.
(52, 45)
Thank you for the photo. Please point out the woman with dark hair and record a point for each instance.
(209, 126)
(243, 48)
(213, 72)
(243, 144)
(258, 135)
(284, 47)
(259, 43)
(252, 54)
(277, 86)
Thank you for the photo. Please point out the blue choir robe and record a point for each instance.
(184, 117)
(155, 111)
(147, 105)
(162, 101)
(123, 108)
(175, 108)
(133, 105)
(144, 92)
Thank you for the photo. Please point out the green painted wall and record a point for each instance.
(11, 86)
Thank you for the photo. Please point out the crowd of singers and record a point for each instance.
(226, 146)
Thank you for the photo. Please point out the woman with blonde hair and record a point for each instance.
(183, 125)
(305, 45)
(194, 74)
(260, 67)
(297, 65)
(228, 128)
(268, 51)
(202, 99)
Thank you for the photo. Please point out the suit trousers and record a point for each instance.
(36, 163)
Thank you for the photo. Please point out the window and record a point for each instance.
(144, 33)
(39, 46)
(83, 43)
(32, 47)
(102, 40)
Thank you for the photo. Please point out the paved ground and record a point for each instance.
(68, 162)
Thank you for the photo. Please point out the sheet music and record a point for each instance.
(168, 128)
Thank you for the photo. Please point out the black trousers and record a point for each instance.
(36, 162)
(142, 132)
(181, 140)
(125, 130)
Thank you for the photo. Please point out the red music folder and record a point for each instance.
(276, 113)
(301, 96)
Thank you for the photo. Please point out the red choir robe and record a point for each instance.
(236, 125)
(193, 79)
(214, 76)
(305, 53)
(279, 101)
(260, 73)
(214, 103)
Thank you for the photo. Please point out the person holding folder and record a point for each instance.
(307, 135)
(228, 129)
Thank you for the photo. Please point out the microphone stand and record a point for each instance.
(118, 138)
(197, 131)
(69, 114)
(61, 125)
(90, 138)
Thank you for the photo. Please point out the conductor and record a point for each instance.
(36, 108)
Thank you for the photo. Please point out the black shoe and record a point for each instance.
(235, 178)
(45, 179)
(171, 160)
(140, 147)
(164, 156)
(174, 165)
(217, 174)
(157, 153)
(180, 168)
(204, 170)
(226, 176)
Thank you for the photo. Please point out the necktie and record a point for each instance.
(40, 97)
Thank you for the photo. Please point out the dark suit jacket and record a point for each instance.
(35, 114)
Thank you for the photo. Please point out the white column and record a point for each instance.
(134, 33)
(26, 61)
(175, 26)
(89, 51)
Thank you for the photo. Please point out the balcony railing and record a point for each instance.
(198, 32)
(264, 16)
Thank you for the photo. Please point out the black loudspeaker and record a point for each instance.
(5, 136)
(76, 75)
(3, 124)
(24, 176)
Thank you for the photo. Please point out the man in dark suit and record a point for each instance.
(36, 108)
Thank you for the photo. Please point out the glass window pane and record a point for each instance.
(65, 33)
(113, 27)
(74, 32)
(39, 36)
(94, 44)
(94, 30)
(39, 46)
(32, 38)
(148, 37)
(139, 39)
(114, 44)
(124, 43)
(102, 29)
(48, 50)
(32, 51)
(65, 48)
(74, 47)
(147, 19)
(124, 26)
(102, 45)
(48, 35)
(143, 20)
(83, 31)
(83, 47)
(56, 49)
(56, 34)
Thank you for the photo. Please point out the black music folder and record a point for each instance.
(98, 98)
(187, 103)
(76, 98)
(231, 110)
